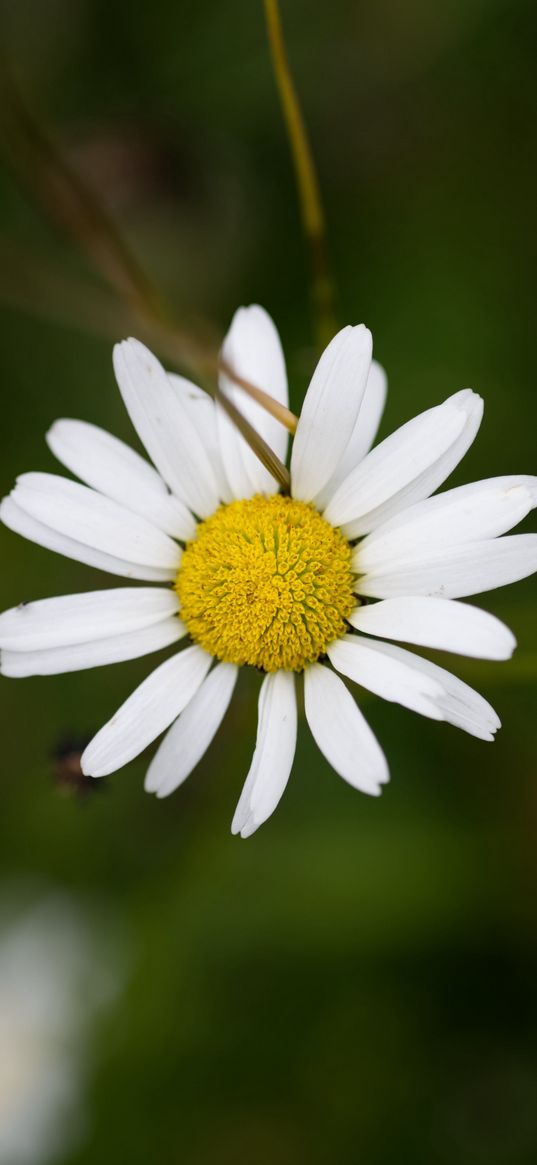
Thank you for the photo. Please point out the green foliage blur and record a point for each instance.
(356, 983)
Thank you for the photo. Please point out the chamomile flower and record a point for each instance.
(313, 584)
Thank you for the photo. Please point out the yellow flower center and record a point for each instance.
(266, 582)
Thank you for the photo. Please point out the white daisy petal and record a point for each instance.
(148, 711)
(189, 738)
(368, 420)
(70, 619)
(469, 513)
(109, 466)
(95, 653)
(273, 756)
(363, 434)
(439, 623)
(164, 427)
(234, 466)
(201, 409)
(341, 731)
(452, 572)
(253, 350)
(329, 412)
(86, 516)
(392, 679)
(448, 698)
(407, 466)
(460, 704)
(21, 523)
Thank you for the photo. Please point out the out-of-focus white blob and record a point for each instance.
(57, 971)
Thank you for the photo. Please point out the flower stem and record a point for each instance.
(267, 402)
(69, 202)
(323, 292)
(259, 446)
(77, 210)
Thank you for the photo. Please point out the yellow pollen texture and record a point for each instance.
(267, 582)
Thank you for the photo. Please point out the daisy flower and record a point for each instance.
(314, 584)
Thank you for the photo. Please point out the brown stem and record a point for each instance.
(263, 451)
(267, 402)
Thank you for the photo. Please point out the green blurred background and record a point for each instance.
(357, 982)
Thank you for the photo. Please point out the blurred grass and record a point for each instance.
(357, 983)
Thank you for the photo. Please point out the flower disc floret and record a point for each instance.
(267, 582)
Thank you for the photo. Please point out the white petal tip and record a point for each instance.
(468, 398)
(244, 827)
(249, 828)
(87, 772)
(88, 769)
(470, 403)
(160, 794)
(128, 347)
